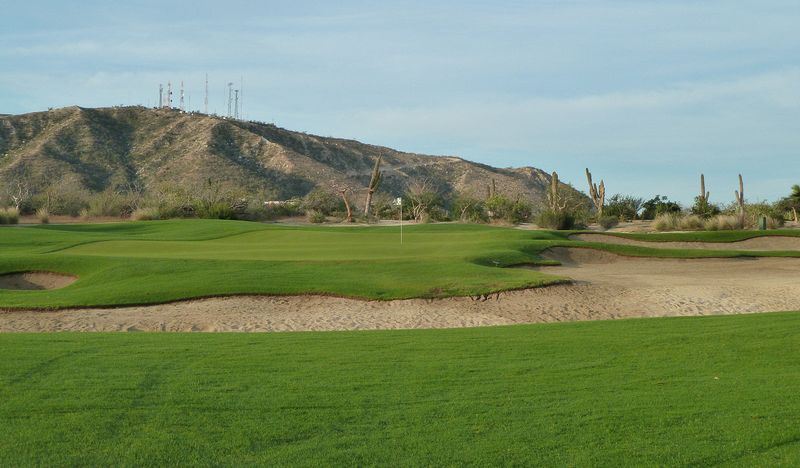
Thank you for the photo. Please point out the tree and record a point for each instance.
(659, 205)
(423, 198)
(624, 207)
(792, 202)
(19, 193)
(374, 182)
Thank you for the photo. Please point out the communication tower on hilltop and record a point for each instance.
(236, 107)
(160, 95)
(181, 105)
(230, 98)
(205, 107)
(168, 105)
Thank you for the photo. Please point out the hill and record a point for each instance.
(119, 147)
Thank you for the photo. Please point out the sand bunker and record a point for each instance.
(606, 286)
(756, 243)
(35, 280)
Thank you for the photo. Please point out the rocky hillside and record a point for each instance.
(116, 147)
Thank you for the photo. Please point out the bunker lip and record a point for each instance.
(35, 280)
(760, 243)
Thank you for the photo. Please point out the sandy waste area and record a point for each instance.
(605, 286)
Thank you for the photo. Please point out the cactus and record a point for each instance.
(704, 196)
(491, 190)
(554, 199)
(374, 182)
(598, 194)
(740, 198)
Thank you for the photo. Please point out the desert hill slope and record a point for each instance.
(116, 147)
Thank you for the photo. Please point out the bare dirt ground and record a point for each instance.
(35, 280)
(756, 243)
(606, 286)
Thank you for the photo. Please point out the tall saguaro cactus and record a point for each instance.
(554, 199)
(704, 196)
(598, 194)
(740, 198)
(374, 182)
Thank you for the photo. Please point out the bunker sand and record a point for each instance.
(606, 286)
(763, 243)
(35, 280)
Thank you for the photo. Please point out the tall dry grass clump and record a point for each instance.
(692, 223)
(43, 215)
(723, 223)
(145, 214)
(9, 216)
(667, 222)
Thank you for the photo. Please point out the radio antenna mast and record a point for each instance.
(182, 107)
(205, 109)
(230, 97)
(160, 95)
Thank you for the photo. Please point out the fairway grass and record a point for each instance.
(676, 391)
(162, 261)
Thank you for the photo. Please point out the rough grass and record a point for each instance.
(677, 391)
(151, 262)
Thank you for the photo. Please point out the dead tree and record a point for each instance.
(19, 194)
(598, 194)
(343, 190)
(374, 182)
(740, 199)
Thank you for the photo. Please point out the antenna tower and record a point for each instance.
(230, 97)
(236, 108)
(160, 95)
(169, 95)
(205, 107)
(181, 105)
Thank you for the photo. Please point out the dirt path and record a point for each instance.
(757, 243)
(607, 286)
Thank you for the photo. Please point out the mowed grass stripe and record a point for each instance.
(678, 391)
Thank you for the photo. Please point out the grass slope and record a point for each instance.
(152, 262)
(676, 391)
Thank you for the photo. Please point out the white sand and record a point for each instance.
(606, 286)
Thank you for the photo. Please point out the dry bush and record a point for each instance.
(667, 222)
(43, 215)
(692, 223)
(9, 216)
(145, 214)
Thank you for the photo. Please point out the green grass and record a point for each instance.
(161, 261)
(676, 391)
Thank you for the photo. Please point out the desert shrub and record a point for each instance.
(608, 222)
(658, 205)
(775, 223)
(383, 206)
(667, 222)
(316, 217)
(105, 204)
(773, 211)
(500, 207)
(145, 214)
(704, 209)
(624, 207)
(469, 209)
(692, 223)
(560, 220)
(9, 216)
(218, 210)
(43, 215)
(322, 201)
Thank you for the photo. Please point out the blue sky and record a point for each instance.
(648, 94)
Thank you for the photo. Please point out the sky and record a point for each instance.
(647, 94)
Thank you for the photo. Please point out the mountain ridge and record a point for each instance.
(109, 148)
